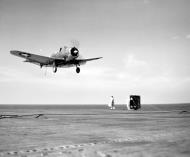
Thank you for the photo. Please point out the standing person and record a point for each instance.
(128, 105)
(111, 103)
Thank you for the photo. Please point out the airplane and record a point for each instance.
(68, 57)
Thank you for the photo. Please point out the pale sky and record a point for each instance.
(145, 45)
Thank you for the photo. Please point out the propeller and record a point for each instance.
(75, 43)
(74, 47)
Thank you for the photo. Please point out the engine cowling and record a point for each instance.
(74, 52)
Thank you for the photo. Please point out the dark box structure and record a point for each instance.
(135, 102)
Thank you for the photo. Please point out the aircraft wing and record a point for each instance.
(49, 61)
(83, 61)
(33, 58)
(89, 59)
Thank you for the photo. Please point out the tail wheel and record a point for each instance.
(78, 70)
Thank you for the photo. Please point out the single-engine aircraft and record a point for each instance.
(67, 57)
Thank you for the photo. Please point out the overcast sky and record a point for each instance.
(145, 45)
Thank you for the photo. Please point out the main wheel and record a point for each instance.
(78, 70)
(55, 69)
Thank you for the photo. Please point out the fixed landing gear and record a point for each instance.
(55, 69)
(78, 70)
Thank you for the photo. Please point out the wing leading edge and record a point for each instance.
(78, 62)
(89, 59)
(33, 58)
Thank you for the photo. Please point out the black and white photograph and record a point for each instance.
(94, 78)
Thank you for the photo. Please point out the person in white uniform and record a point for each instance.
(112, 103)
(128, 105)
